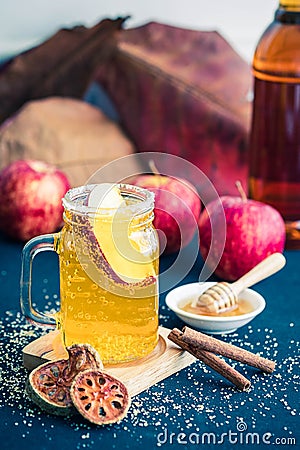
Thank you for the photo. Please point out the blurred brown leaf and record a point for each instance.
(62, 65)
(183, 92)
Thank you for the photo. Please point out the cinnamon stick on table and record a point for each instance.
(205, 342)
(211, 360)
(206, 347)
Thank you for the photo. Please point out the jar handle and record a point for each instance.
(31, 249)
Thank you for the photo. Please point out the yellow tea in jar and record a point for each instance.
(108, 254)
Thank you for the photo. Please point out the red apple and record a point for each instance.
(31, 194)
(177, 209)
(254, 231)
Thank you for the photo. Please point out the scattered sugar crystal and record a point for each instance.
(202, 400)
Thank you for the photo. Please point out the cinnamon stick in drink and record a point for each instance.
(208, 343)
(211, 360)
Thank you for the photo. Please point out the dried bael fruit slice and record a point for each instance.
(81, 357)
(49, 384)
(98, 266)
(113, 245)
(47, 388)
(117, 229)
(99, 397)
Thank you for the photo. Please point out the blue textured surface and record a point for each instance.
(194, 408)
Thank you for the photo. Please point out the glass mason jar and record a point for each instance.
(108, 260)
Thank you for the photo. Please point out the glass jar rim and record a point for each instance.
(76, 200)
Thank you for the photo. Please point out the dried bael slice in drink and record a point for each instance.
(49, 384)
(99, 397)
(117, 229)
(112, 245)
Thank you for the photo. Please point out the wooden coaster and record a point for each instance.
(166, 359)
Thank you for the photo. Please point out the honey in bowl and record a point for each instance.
(243, 307)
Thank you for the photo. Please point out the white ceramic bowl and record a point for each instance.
(181, 295)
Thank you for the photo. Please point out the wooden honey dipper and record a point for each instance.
(223, 296)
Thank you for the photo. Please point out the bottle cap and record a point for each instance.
(290, 4)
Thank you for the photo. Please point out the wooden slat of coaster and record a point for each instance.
(165, 360)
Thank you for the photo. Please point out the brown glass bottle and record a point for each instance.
(274, 148)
